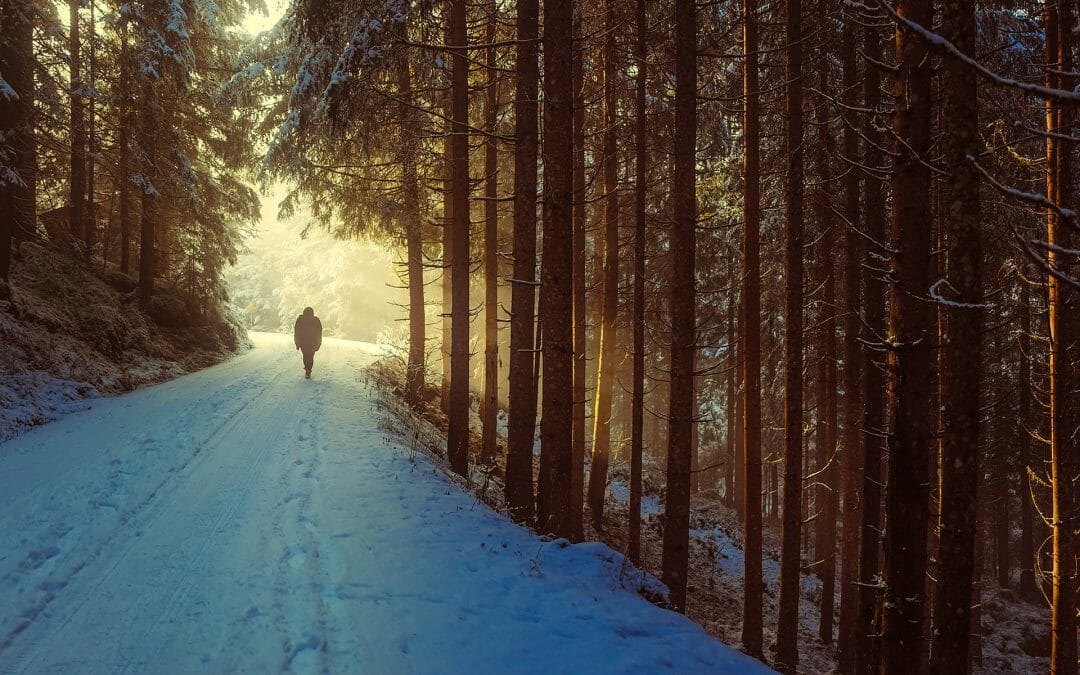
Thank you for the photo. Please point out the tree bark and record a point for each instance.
(753, 583)
(733, 469)
(148, 131)
(874, 382)
(605, 370)
(1061, 299)
(640, 187)
(683, 299)
(126, 159)
(90, 230)
(415, 368)
(852, 438)
(577, 479)
(491, 249)
(77, 182)
(1000, 478)
(961, 372)
(521, 426)
(556, 282)
(457, 437)
(18, 199)
(447, 245)
(1026, 554)
(828, 490)
(910, 351)
(787, 629)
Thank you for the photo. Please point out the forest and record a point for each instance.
(815, 260)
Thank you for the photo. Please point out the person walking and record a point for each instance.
(307, 334)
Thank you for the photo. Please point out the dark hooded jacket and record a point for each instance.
(307, 334)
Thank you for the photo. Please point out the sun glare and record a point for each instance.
(352, 285)
(256, 21)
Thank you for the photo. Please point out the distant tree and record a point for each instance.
(605, 374)
(491, 243)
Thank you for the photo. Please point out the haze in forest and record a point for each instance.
(291, 263)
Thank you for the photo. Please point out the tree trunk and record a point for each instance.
(605, 370)
(491, 250)
(911, 373)
(126, 159)
(18, 200)
(577, 478)
(1000, 478)
(683, 299)
(852, 438)
(556, 276)
(753, 584)
(447, 248)
(77, 183)
(739, 474)
(733, 467)
(457, 437)
(521, 426)
(148, 130)
(91, 224)
(828, 490)
(962, 352)
(974, 654)
(1061, 299)
(1026, 554)
(414, 369)
(874, 382)
(640, 183)
(787, 629)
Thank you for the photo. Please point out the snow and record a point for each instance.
(6, 92)
(177, 17)
(620, 491)
(245, 519)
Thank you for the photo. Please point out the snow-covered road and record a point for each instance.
(243, 519)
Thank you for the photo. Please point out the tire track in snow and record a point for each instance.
(193, 577)
(139, 518)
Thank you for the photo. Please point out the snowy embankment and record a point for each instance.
(71, 333)
(245, 519)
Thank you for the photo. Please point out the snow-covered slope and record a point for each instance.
(71, 333)
(245, 519)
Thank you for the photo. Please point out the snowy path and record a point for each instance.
(244, 519)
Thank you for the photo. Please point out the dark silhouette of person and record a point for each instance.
(307, 334)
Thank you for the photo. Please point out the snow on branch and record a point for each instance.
(364, 49)
(177, 18)
(943, 45)
(935, 295)
(1030, 197)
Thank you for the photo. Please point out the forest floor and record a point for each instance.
(1015, 636)
(72, 333)
(244, 519)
